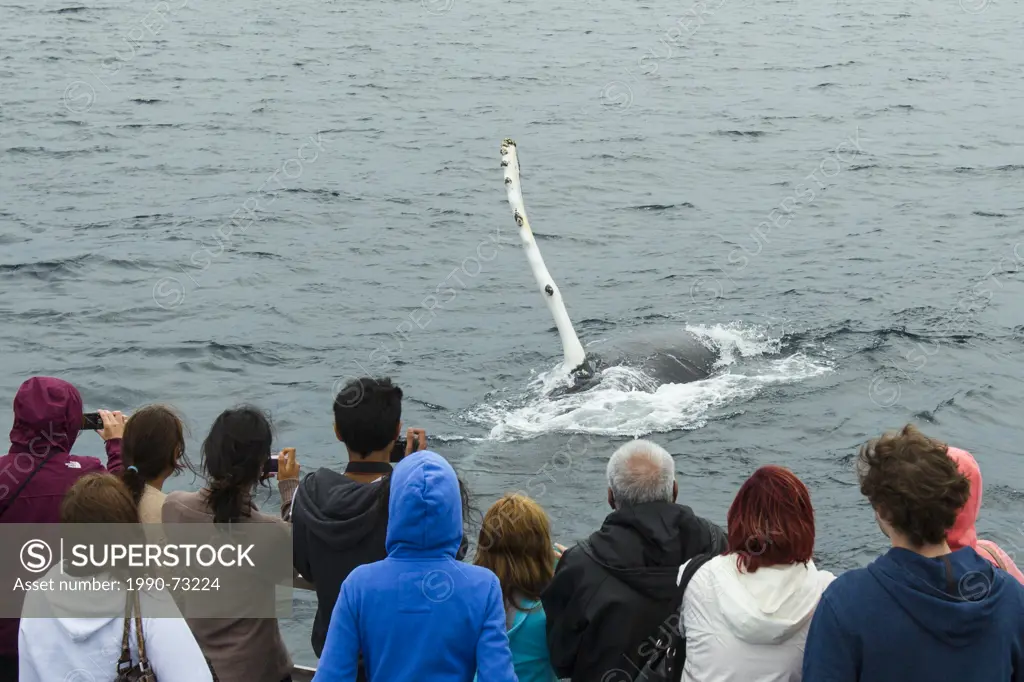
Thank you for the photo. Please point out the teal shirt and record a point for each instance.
(528, 640)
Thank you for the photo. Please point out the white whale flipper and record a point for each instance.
(572, 349)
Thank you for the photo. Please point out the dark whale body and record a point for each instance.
(675, 357)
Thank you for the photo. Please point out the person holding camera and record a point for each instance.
(39, 468)
(153, 450)
(340, 519)
(237, 459)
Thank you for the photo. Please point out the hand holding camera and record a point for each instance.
(109, 424)
(415, 440)
(284, 465)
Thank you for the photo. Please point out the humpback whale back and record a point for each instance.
(676, 357)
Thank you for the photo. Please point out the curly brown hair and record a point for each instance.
(912, 484)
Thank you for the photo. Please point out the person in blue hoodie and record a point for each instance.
(419, 614)
(920, 611)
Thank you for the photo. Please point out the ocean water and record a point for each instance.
(212, 203)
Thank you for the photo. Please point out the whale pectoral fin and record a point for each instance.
(572, 349)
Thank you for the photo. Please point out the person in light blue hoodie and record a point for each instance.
(419, 614)
(515, 543)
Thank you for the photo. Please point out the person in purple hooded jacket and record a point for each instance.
(39, 469)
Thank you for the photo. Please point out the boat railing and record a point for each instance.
(301, 673)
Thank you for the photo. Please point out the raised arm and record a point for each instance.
(113, 430)
(287, 480)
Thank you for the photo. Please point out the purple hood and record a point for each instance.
(47, 420)
(47, 417)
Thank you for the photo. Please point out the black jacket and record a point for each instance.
(613, 591)
(337, 525)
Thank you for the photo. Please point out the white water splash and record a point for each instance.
(627, 402)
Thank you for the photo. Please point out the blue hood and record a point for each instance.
(425, 508)
(919, 586)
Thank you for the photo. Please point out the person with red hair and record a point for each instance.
(746, 613)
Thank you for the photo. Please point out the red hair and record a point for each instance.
(771, 521)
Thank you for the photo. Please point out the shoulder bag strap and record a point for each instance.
(139, 635)
(10, 500)
(998, 559)
(124, 664)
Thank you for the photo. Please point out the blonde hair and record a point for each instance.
(515, 544)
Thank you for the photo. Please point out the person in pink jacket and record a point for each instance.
(963, 533)
(39, 468)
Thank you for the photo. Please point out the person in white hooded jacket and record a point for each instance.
(745, 614)
(72, 625)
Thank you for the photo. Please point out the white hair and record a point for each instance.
(641, 471)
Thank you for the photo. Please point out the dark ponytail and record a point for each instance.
(471, 519)
(234, 454)
(153, 446)
(136, 486)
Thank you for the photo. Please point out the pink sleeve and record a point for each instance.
(989, 548)
(114, 455)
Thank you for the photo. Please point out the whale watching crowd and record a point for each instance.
(409, 587)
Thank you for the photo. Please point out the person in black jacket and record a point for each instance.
(612, 592)
(340, 520)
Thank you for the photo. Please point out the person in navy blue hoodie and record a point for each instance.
(419, 614)
(920, 611)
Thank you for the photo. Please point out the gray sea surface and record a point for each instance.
(208, 203)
